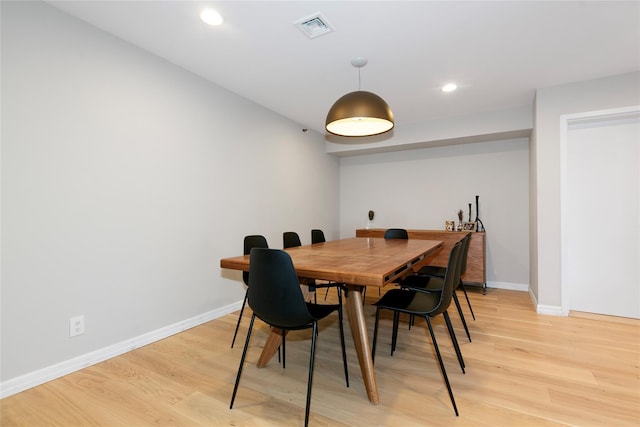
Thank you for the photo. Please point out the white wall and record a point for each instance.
(124, 180)
(420, 189)
(551, 104)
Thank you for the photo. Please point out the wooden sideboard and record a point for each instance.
(476, 259)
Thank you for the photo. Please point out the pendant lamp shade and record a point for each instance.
(359, 113)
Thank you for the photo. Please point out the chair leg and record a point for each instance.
(394, 334)
(467, 297)
(375, 335)
(284, 350)
(244, 303)
(244, 353)
(464, 322)
(310, 381)
(442, 369)
(279, 355)
(344, 350)
(454, 340)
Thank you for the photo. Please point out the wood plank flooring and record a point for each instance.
(523, 369)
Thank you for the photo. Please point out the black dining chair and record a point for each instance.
(426, 305)
(291, 239)
(431, 279)
(250, 242)
(419, 283)
(276, 298)
(431, 270)
(396, 233)
(317, 236)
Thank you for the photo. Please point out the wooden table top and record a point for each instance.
(358, 260)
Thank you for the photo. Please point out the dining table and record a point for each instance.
(357, 262)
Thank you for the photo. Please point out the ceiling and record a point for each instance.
(498, 53)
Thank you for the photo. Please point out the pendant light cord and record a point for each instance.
(359, 62)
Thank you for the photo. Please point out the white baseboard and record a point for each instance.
(41, 376)
(540, 308)
(554, 310)
(511, 286)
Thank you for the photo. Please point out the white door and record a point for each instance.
(601, 215)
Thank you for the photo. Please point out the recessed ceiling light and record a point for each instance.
(449, 87)
(211, 17)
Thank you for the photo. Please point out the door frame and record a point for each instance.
(566, 121)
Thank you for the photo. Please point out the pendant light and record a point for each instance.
(359, 113)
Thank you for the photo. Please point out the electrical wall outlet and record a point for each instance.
(76, 326)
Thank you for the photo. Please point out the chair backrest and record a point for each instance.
(290, 239)
(466, 241)
(396, 233)
(274, 292)
(317, 236)
(451, 278)
(250, 242)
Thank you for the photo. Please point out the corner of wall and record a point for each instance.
(552, 310)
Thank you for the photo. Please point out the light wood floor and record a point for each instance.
(523, 369)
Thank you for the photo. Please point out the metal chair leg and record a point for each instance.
(375, 336)
(467, 297)
(344, 350)
(284, 350)
(464, 322)
(454, 340)
(442, 369)
(394, 334)
(244, 303)
(244, 353)
(310, 381)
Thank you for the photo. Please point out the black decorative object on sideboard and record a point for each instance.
(480, 226)
(471, 225)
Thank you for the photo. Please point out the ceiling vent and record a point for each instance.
(314, 26)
